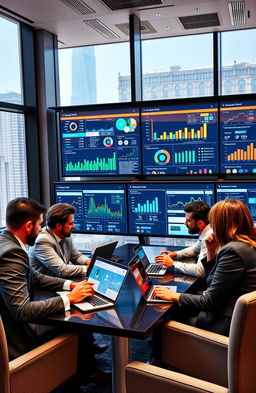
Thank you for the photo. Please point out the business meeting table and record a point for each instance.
(131, 317)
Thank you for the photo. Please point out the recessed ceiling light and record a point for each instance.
(158, 14)
(196, 9)
(167, 28)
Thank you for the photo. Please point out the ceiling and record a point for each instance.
(92, 22)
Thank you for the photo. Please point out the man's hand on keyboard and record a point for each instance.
(80, 291)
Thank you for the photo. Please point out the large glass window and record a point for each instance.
(10, 64)
(238, 59)
(95, 74)
(13, 171)
(168, 61)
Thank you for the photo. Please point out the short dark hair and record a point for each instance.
(58, 214)
(199, 210)
(22, 209)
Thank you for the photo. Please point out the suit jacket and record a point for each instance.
(49, 258)
(17, 305)
(233, 274)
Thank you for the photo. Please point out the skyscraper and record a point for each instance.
(83, 76)
(13, 170)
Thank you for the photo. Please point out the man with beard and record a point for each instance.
(18, 279)
(197, 223)
(54, 250)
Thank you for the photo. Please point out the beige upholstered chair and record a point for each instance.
(215, 363)
(40, 370)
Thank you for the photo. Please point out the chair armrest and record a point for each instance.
(195, 352)
(45, 367)
(141, 377)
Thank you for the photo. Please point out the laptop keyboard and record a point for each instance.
(97, 301)
(154, 268)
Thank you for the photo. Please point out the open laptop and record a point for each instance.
(108, 278)
(152, 269)
(105, 251)
(144, 282)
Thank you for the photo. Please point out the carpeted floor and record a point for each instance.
(140, 350)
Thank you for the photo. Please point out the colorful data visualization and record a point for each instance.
(180, 139)
(158, 209)
(105, 142)
(238, 135)
(100, 208)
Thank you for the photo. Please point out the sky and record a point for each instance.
(158, 55)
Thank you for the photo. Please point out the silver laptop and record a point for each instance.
(144, 282)
(105, 251)
(108, 278)
(152, 269)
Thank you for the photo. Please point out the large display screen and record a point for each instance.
(238, 134)
(180, 139)
(105, 142)
(158, 209)
(246, 192)
(100, 208)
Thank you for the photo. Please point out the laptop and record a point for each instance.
(108, 278)
(144, 282)
(105, 251)
(152, 269)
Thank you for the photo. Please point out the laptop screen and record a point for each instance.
(107, 277)
(138, 250)
(139, 273)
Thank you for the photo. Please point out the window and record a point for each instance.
(253, 88)
(169, 58)
(228, 87)
(238, 57)
(153, 93)
(13, 171)
(177, 91)
(10, 63)
(189, 90)
(91, 74)
(201, 89)
(165, 92)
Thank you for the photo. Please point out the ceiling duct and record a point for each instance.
(124, 4)
(237, 12)
(79, 6)
(97, 25)
(199, 21)
(145, 27)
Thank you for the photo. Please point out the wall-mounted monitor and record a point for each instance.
(237, 137)
(100, 208)
(246, 192)
(157, 209)
(100, 142)
(180, 139)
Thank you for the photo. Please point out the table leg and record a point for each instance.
(120, 358)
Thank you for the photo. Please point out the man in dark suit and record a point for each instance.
(54, 250)
(17, 281)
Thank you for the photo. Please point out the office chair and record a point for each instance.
(41, 370)
(203, 355)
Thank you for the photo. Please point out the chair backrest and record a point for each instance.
(4, 361)
(242, 346)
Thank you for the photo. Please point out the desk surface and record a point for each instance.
(131, 316)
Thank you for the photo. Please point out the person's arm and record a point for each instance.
(230, 268)
(193, 269)
(77, 258)
(45, 253)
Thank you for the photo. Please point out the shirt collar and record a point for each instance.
(21, 243)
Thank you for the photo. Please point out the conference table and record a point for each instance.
(131, 317)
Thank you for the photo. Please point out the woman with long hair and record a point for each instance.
(232, 250)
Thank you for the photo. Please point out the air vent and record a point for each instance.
(123, 4)
(97, 25)
(79, 6)
(237, 12)
(199, 21)
(145, 27)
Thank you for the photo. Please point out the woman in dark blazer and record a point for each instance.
(232, 251)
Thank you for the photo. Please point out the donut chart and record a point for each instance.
(162, 157)
(72, 126)
(126, 125)
(108, 141)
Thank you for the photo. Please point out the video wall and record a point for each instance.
(150, 209)
(192, 139)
